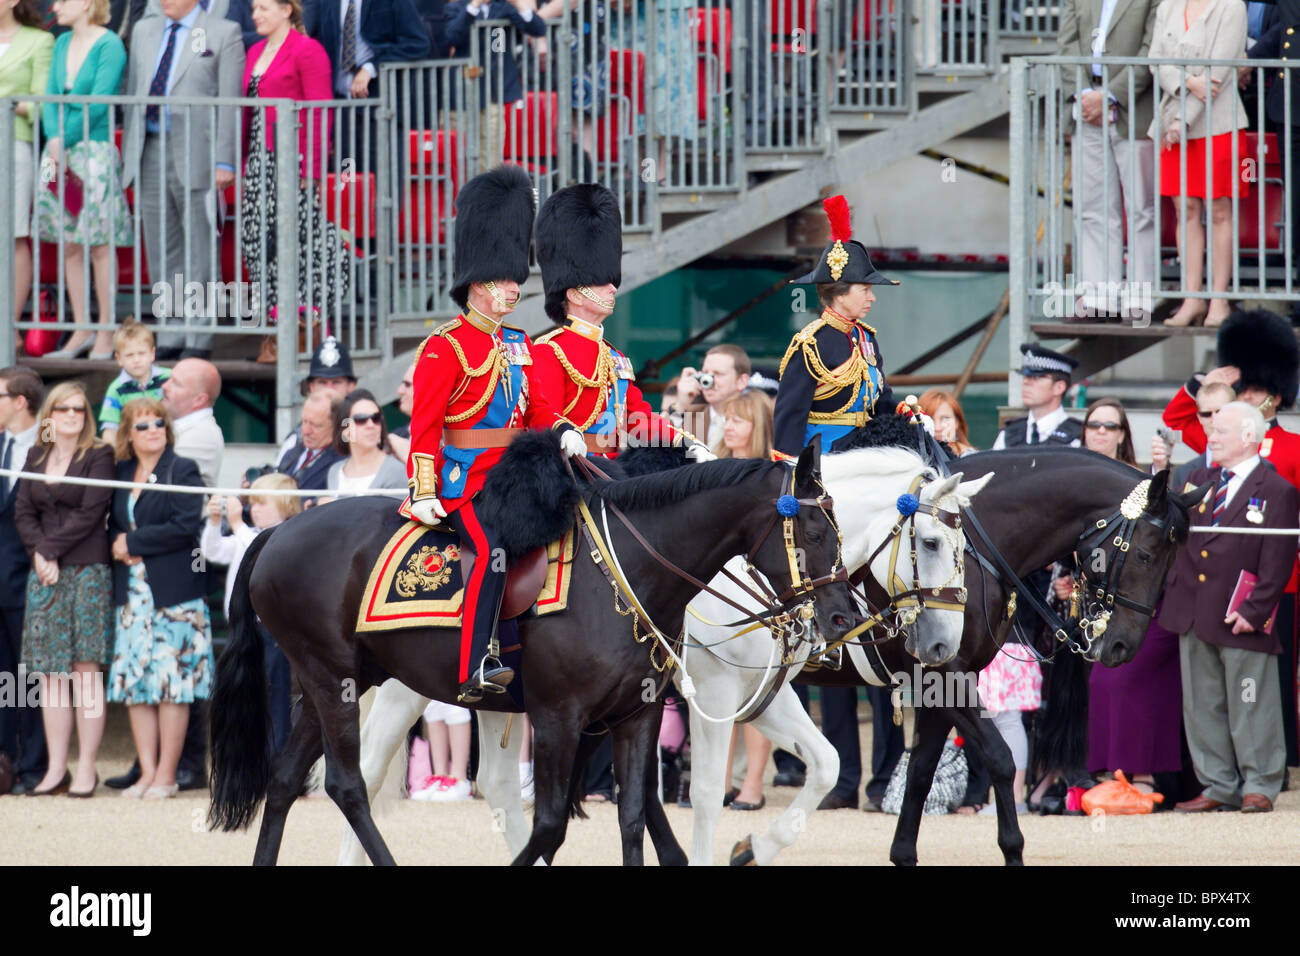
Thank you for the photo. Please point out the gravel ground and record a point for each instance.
(110, 830)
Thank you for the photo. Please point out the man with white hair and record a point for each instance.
(1222, 596)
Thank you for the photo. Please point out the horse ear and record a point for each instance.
(967, 490)
(1158, 491)
(809, 464)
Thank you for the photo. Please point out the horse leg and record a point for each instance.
(555, 748)
(709, 744)
(932, 726)
(629, 773)
(667, 849)
(788, 726)
(498, 776)
(983, 733)
(395, 708)
(343, 781)
(287, 776)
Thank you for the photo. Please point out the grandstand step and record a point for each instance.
(952, 82)
(677, 203)
(1078, 330)
(787, 161)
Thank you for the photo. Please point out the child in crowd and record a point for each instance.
(267, 511)
(447, 729)
(133, 348)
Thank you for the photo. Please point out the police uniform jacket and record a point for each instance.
(1281, 41)
(1205, 573)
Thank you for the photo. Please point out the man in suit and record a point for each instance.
(1232, 709)
(169, 152)
(330, 372)
(309, 463)
(1104, 181)
(499, 84)
(188, 396)
(22, 736)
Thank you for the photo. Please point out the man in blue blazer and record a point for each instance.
(22, 736)
(386, 31)
(308, 461)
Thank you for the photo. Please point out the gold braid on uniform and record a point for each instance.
(603, 379)
(849, 375)
(494, 364)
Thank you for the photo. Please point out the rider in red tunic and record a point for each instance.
(475, 389)
(591, 383)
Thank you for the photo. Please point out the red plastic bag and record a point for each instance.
(1118, 796)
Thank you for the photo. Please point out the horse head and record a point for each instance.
(1124, 563)
(891, 507)
(799, 550)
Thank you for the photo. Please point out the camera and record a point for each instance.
(705, 379)
(252, 474)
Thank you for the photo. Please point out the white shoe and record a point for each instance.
(449, 790)
(426, 791)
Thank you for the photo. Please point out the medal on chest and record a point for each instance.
(1255, 510)
(1265, 447)
(516, 352)
(622, 366)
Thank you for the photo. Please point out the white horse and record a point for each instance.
(733, 669)
(865, 486)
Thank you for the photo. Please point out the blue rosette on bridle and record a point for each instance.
(787, 506)
(907, 504)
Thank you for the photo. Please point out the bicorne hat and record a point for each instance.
(1262, 345)
(494, 226)
(845, 259)
(579, 242)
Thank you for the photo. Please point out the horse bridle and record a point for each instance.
(1096, 600)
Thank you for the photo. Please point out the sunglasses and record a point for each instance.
(374, 418)
(1201, 414)
(145, 426)
(1105, 426)
(79, 409)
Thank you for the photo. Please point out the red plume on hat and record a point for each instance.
(837, 211)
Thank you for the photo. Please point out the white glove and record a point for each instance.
(572, 444)
(928, 422)
(428, 510)
(700, 452)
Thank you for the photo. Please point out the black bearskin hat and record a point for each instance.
(1263, 346)
(579, 242)
(494, 226)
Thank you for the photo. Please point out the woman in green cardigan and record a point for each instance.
(88, 61)
(25, 50)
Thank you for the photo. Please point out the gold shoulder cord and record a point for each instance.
(494, 364)
(849, 375)
(603, 379)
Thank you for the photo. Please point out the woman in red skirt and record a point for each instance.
(1199, 126)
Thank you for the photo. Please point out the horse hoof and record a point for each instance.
(742, 854)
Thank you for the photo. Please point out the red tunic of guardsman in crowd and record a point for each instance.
(591, 383)
(475, 389)
(1260, 358)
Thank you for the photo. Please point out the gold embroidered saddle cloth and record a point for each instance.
(418, 580)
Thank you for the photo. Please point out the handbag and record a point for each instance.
(73, 192)
(946, 791)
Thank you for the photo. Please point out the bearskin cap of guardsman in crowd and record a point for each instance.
(845, 259)
(1262, 345)
(494, 228)
(579, 243)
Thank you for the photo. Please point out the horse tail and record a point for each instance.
(239, 717)
(588, 744)
(1063, 732)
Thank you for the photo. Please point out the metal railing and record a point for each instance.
(1029, 18)
(956, 37)
(1090, 233)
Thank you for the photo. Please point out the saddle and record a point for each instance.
(417, 580)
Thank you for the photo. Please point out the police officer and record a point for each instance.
(591, 383)
(474, 391)
(832, 381)
(1045, 380)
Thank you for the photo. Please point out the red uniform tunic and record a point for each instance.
(469, 377)
(1280, 447)
(592, 385)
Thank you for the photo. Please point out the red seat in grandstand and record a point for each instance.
(614, 128)
(713, 46)
(349, 201)
(431, 186)
(531, 126)
(792, 23)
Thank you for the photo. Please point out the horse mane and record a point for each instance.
(872, 463)
(661, 489)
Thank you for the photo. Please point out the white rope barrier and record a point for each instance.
(197, 490)
(1203, 529)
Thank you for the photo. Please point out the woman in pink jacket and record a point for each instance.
(288, 64)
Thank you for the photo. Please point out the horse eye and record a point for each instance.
(931, 544)
(1144, 556)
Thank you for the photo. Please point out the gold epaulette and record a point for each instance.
(545, 339)
(800, 341)
(867, 327)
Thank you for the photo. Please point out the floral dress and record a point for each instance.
(323, 256)
(163, 655)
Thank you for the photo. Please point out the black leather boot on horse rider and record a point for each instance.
(591, 383)
(474, 391)
(832, 376)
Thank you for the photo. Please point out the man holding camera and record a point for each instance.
(701, 395)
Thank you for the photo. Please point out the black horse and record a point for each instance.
(1071, 490)
(305, 581)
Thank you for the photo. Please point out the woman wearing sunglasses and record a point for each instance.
(362, 437)
(68, 625)
(162, 661)
(1106, 431)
